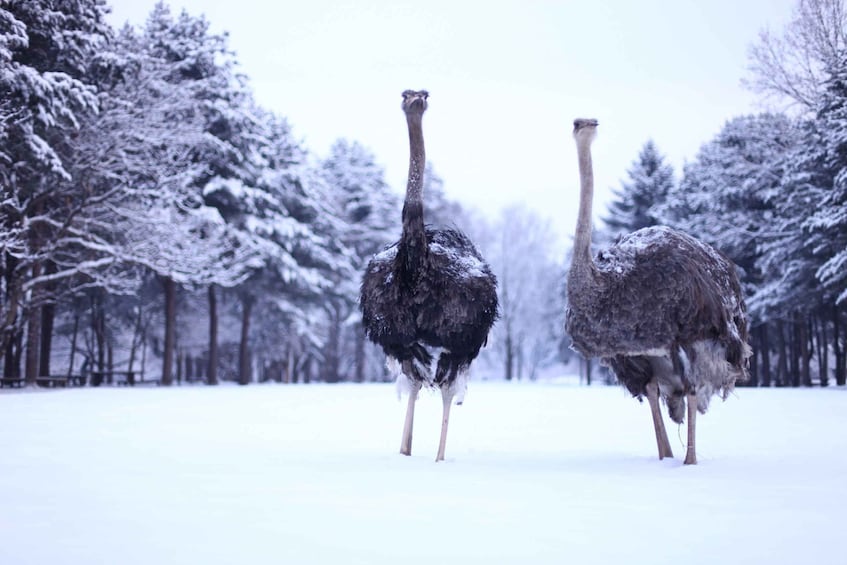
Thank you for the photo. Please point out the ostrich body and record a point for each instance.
(429, 291)
(663, 310)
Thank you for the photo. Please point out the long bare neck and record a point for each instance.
(414, 235)
(582, 240)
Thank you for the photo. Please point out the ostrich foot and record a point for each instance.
(447, 399)
(406, 440)
(658, 422)
(690, 453)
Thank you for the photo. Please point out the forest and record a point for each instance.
(160, 225)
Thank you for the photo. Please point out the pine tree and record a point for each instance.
(827, 224)
(44, 47)
(370, 211)
(726, 196)
(440, 211)
(634, 207)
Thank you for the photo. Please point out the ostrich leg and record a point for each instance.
(658, 423)
(406, 441)
(690, 453)
(447, 399)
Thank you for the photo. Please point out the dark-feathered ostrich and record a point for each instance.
(430, 290)
(663, 310)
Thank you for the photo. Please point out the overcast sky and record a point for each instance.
(506, 79)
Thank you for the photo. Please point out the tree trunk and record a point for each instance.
(73, 344)
(243, 350)
(766, 356)
(33, 331)
(794, 334)
(98, 328)
(8, 329)
(12, 363)
(360, 353)
(110, 360)
(519, 370)
(290, 376)
(170, 331)
(805, 352)
(781, 360)
(754, 359)
(32, 338)
(307, 370)
(9, 357)
(822, 349)
(48, 317)
(332, 358)
(840, 373)
(212, 368)
(509, 367)
(137, 338)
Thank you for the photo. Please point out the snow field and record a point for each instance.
(535, 473)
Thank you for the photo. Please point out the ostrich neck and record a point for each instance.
(582, 264)
(414, 235)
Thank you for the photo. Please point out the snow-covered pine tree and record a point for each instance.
(44, 47)
(370, 211)
(828, 220)
(634, 205)
(726, 195)
(729, 197)
(440, 211)
(290, 216)
(817, 200)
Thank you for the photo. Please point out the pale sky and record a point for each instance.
(506, 79)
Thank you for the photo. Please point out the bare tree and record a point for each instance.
(792, 66)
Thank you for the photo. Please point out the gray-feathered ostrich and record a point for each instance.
(430, 290)
(663, 310)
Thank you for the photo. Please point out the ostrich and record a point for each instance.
(430, 291)
(663, 310)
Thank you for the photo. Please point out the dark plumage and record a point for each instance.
(430, 290)
(663, 310)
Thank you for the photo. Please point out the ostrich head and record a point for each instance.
(584, 130)
(414, 101)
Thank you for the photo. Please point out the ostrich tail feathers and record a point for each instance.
(676, 407)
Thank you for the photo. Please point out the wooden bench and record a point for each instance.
(12, 382)
(48, 381)
(120, 378)
(52, 381)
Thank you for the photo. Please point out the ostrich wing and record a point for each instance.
(660, 289)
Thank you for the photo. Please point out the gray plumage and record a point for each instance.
(659, 307)
(659, 292)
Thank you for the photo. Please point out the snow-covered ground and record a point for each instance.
(535, 473)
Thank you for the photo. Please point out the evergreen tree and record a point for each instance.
(728, 195)
(368, 207)
(439, 210)
(827, 224)
(44, 47)
(370, 211)
(650, 182)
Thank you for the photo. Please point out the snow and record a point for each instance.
(465, 264)
(535, 473)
